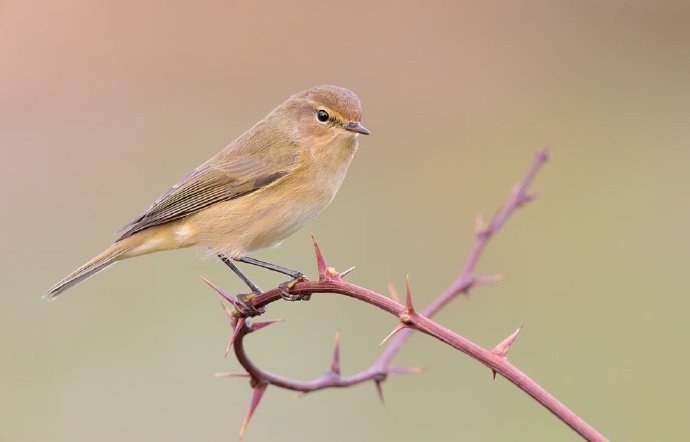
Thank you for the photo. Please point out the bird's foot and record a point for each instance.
(246, 308)
(286, 286)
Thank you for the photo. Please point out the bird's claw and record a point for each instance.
(247, 309)
(285, 287)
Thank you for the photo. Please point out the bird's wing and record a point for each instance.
(211, 183)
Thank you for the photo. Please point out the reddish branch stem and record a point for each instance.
(410, 320)
(491, 359)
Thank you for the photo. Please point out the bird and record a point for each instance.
(264, 186)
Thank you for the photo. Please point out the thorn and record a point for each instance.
(335, 365)
(227, 311)
(345, 273)
(408, 300)
(299, 395)
(320, 262)
(259, 390)
(393, 292)
(515, 190)
(525, 198)
(544, 154)
(231, 299)
(494, 373)
(479, 225)
(502, 348)
(235, 332)
(256, 326)
(232, 374)
(487, 279)
(397, 328)
(405, 370)
(379, 391)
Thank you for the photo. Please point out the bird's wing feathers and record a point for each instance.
(211, 183)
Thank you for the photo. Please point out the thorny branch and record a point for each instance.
(409, 320)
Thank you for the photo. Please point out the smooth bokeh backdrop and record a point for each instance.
(105, 104)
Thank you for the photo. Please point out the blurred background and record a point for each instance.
(105, 104)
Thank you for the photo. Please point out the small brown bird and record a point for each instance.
(263, 187)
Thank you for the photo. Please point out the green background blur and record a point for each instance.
(105, 104)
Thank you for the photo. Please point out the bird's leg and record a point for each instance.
(274, 267)
(242, 298)
(284, 287)
(253, 287)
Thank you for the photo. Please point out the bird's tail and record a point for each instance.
(113, 254)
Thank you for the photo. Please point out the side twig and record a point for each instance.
(409, 320)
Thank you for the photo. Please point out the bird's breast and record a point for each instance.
(330, 166)
(271, 214)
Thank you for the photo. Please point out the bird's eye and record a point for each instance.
(322, 115)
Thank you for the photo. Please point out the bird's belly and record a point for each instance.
(273, 232)
(251, 222)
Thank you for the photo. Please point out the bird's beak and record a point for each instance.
(357, 127)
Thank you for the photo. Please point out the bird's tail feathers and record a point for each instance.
(100, 262)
